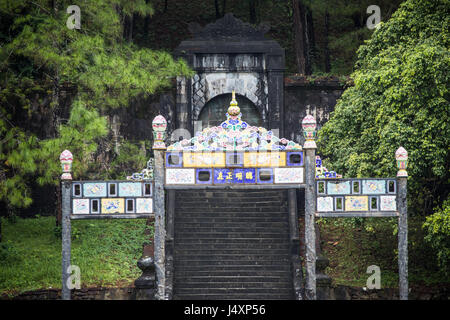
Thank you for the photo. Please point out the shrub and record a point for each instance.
(437, 227)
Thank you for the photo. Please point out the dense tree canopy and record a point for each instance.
(400, 98)
(43, 62)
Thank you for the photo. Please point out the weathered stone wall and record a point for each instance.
(302, 97)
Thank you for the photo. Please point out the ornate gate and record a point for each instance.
(237, 156)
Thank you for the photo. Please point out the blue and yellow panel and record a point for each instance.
(356, 203)
(203, 159)
(174, 159)
(264, 175)
(204, 176)
(294, 159)
(250, 159)
(264, 159)
(113, 205)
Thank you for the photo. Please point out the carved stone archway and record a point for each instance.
(231, 55)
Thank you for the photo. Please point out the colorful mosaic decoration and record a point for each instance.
(288, 175)
(108, 197)
(113, 205)
(159, 126)
(80, 206)
(130, 189)
(309, 125)
(223, 176)
(356, 203)
(180, 176)
(323, 173)
(234, 134)
(401, 155)
(145, 174)
(324, 204)
(388, 203)
(374, 186)
(357, 195)
(203, 159)
(66, 160)
(338, 187)
(144, 205)
(94, 189)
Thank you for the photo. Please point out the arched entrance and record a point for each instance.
(215, 110)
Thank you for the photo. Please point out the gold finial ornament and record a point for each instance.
(234, 109)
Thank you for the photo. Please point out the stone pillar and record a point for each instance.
(181, 104)
(159, 134)
(66, 183)
(309, 131)
(170, 243)
(295, 244)
(275, 84)
(401, 156)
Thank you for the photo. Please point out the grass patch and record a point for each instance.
(105, 250)
(352, 245)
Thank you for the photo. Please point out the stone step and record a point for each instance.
(232, 285)
(209, 263)
(229, 235)
(237, 269)
(181, 220)
(225, 273)
(230, 209)
(233, 224)
(249, 228)
(228, 251)
(233, 194)
(234, 296)
(231, 291)
(239, 257)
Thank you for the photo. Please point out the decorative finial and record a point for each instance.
(309, 132)
(401, 155)
(234, 109)
(159, 126)
(66, 160)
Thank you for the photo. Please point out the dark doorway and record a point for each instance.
(214, 112)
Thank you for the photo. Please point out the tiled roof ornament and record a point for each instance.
(401, 155)
(66, 160)
(309, 125)
(159, 126)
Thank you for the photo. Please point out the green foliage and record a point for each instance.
(40, 57)
(129, 156)
(8, 252)
(437, 227)
(351, 248)
(400, 98)
(105, 251)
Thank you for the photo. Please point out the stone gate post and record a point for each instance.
(66, 159)
(309, 132)
(159, 125)
(401, 156)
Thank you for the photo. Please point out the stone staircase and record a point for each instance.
(232, 245)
